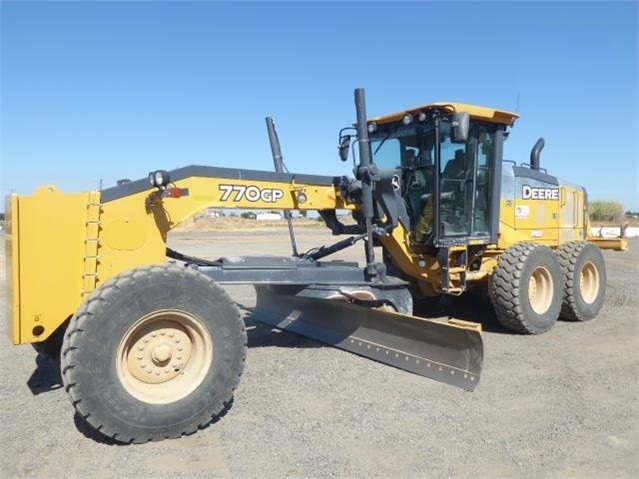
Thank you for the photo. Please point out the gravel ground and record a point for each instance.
(563, 404)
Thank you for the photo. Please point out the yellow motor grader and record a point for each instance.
(151, 348)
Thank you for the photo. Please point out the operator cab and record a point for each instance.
(448, 157)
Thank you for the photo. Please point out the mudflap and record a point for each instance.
(450, 353)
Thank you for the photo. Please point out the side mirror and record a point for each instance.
(459, 127)
(344, 145)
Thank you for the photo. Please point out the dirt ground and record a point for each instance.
(563, 404)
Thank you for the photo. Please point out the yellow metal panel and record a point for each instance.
(510, 225)
(571, 214)
(233, 193)
(537, 220)
(51, 231)
(507, 213)
(491, 115)
(12, 253)
(615, 244)
(397, 246)
(460, 323)
(422, 267)
(509, 236)
(136, 226)
(124, 234)
(489, 263)
(133, 234)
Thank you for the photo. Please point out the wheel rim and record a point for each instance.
(540, 290)
(589, 282)
(164, 356)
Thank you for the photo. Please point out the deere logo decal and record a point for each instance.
(537, 193)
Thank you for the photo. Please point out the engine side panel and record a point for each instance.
(539, 207)
(573, 214)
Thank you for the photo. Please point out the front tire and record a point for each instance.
(584, 271)
(526, 288)
(154, 353)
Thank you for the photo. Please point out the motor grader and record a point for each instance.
(153, 348)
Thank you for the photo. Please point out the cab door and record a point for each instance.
(455, 189)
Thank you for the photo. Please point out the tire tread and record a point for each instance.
(73, 342)
(506, 283)
(568, 255)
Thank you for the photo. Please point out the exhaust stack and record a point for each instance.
(535, 152)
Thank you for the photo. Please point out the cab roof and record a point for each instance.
(483, 113)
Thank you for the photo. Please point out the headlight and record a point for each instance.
(159, 178)
(301, 198)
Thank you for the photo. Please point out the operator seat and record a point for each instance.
(418, 178)
(456, 166)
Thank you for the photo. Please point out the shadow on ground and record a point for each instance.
(46, 376)
(90, 432)
(471, 308)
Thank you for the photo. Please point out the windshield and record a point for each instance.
(464, 177)
(411, 149)
(406, 146)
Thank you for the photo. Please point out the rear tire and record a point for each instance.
(526, 288)
(584, 271)
(154, 353)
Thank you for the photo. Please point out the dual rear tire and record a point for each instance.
(533, 286)
(584, 272)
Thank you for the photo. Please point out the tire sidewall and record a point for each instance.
(541, 256)
(192, 293)
(586, 311)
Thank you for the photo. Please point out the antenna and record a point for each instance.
(517, 105)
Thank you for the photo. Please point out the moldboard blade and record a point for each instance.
(446, 353)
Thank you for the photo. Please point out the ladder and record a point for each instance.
(453, 261)
(91, 243)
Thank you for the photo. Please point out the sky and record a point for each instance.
(99, 91)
